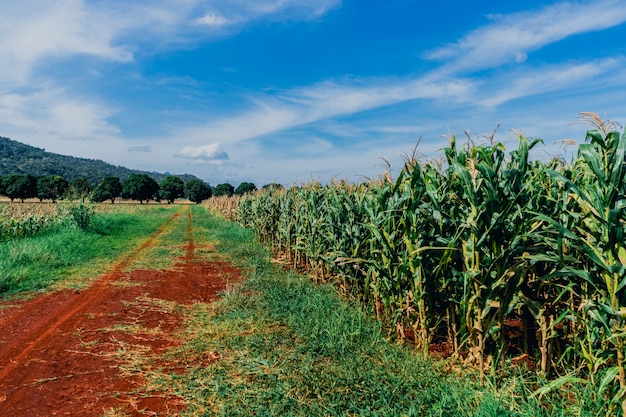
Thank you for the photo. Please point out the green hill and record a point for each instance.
(19, 158)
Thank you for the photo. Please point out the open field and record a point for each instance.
(192, 318)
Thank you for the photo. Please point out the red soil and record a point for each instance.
(70, 353)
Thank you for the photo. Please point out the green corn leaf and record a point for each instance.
(555, 224)
(621, 284)
(591, 204)
(618, 397)
(591, 157)
(557, 384)
(619, 169)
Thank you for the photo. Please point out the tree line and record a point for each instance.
(139, 187)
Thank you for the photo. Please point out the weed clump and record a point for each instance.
(82, 216)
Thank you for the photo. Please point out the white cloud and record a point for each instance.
(212, 153)
(55, 112)
(331, 98)
(265, 118)
(35, 29)
(238, 12)
(511, 37)
(529, 82)
(305, 105)
(213, 20)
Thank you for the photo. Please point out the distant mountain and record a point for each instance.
(19, 158)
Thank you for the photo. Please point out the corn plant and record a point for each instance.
(596, 188)
(225, 205)
(463, 251)
(26, 219)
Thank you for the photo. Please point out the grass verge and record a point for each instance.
(278, 345)
(71, 255)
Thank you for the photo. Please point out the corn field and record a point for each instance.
(225, 205)
(494, 255)
(18, 220)
(26, 219)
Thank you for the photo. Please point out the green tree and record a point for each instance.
(80, 188)
(20, 186)
(224, 189)
(172, 188)
(109, 189)
(197, 191)
(44, 184)
(272, 186)
(2, 188)
(245, 187)
(140, 187)
(51, 187)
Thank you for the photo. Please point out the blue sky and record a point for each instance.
(292, 90)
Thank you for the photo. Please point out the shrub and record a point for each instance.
(82, 216)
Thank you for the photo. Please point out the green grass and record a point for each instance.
(278, 345)
(168, 248)
(70, 255)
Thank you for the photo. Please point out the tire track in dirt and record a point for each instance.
(60, 352)
(12, 352)
(191, 245)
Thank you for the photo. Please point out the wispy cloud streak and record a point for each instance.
(509, 38)
(324, 100)
(219, 13)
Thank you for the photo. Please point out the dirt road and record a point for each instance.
(84, 353)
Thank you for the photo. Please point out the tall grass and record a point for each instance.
(495, 256)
